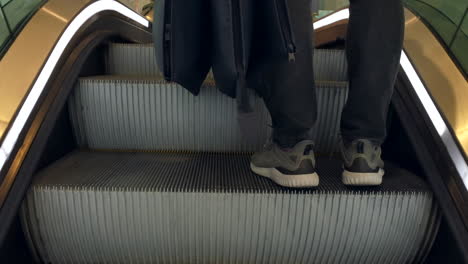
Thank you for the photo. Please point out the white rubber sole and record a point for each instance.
(291, 181)
(363, 179)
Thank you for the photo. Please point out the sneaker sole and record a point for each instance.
(291, 181)
(362, 179)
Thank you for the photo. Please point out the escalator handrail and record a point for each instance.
(32, 84)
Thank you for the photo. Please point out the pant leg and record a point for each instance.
(288, 87)
(374, 43)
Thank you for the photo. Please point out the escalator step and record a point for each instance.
(330, 65)
(139, 59)
(121, 113)
(99, 207)
(131, 59)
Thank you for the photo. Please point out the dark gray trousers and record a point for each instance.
(373, 48)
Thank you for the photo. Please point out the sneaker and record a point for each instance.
(362, 163)
(289, 168)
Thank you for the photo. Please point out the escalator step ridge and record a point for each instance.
(199, 208)
(139, 59)
(152, 115)
(131, 59)
(202, 172)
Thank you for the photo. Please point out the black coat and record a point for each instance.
(229, 36)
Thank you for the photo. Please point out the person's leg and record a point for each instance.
(373, 48)
(289, 85)
(288, 91)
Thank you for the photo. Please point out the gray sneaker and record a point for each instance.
(290, 168)
(362, 163)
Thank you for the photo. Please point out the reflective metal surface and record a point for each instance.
(3, 126)
(150, 15)
(23, 61)
(443, 79)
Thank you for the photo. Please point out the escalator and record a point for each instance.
(113, 164)
(162, 176)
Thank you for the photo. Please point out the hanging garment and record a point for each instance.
(193, 36)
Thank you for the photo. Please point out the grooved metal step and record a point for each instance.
(210, 208)
(131, 59)
(139, 59)
(134, 113)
